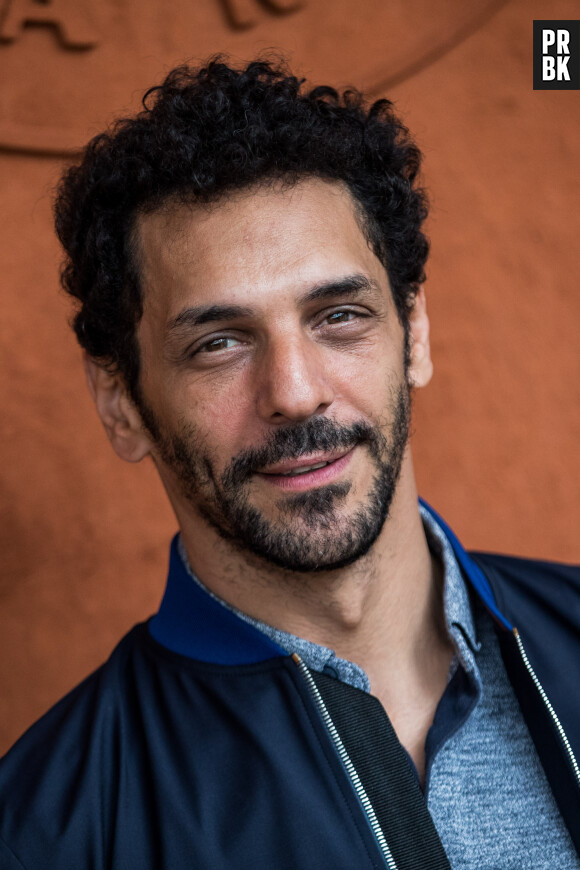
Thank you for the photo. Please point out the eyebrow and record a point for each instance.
(351, 285)
(198, 315)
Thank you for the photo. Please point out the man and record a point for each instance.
(248, 260)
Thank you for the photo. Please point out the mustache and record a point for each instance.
(302, 439)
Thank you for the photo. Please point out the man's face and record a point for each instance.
(273, 372)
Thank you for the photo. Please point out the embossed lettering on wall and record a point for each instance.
(72, 27)
(68, 66)
(243, 14)
(67, 18)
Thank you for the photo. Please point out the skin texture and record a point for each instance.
(287, 358)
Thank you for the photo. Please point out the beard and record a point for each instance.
(311, 533)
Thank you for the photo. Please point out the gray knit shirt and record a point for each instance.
(485, 787)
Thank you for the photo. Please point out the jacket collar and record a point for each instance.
(193, 623)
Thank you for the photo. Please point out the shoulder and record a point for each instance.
(59, 760)
(531, 584)
(90, 700)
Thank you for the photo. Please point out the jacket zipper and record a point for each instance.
(548, 706)
(350, 768)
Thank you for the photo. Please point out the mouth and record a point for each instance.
(306, 472)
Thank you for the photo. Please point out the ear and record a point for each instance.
(421, 368)
(118, 413)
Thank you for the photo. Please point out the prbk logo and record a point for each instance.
(556, 55)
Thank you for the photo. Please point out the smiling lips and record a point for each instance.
(299, 474)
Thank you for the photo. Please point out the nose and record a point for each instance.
(294, 384)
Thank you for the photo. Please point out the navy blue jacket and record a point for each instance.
(199, 744)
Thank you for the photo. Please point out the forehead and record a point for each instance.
(261, 246)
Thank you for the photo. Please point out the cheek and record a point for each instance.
(368, 382)
(223, 419)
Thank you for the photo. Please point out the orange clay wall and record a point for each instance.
(496, 435)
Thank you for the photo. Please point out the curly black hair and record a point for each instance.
(203, 133)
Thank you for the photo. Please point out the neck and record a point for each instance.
(381, 609)
(384, 612)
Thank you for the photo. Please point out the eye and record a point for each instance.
(341, 316)
(221, 343)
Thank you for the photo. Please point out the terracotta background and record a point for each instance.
(84, 537)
